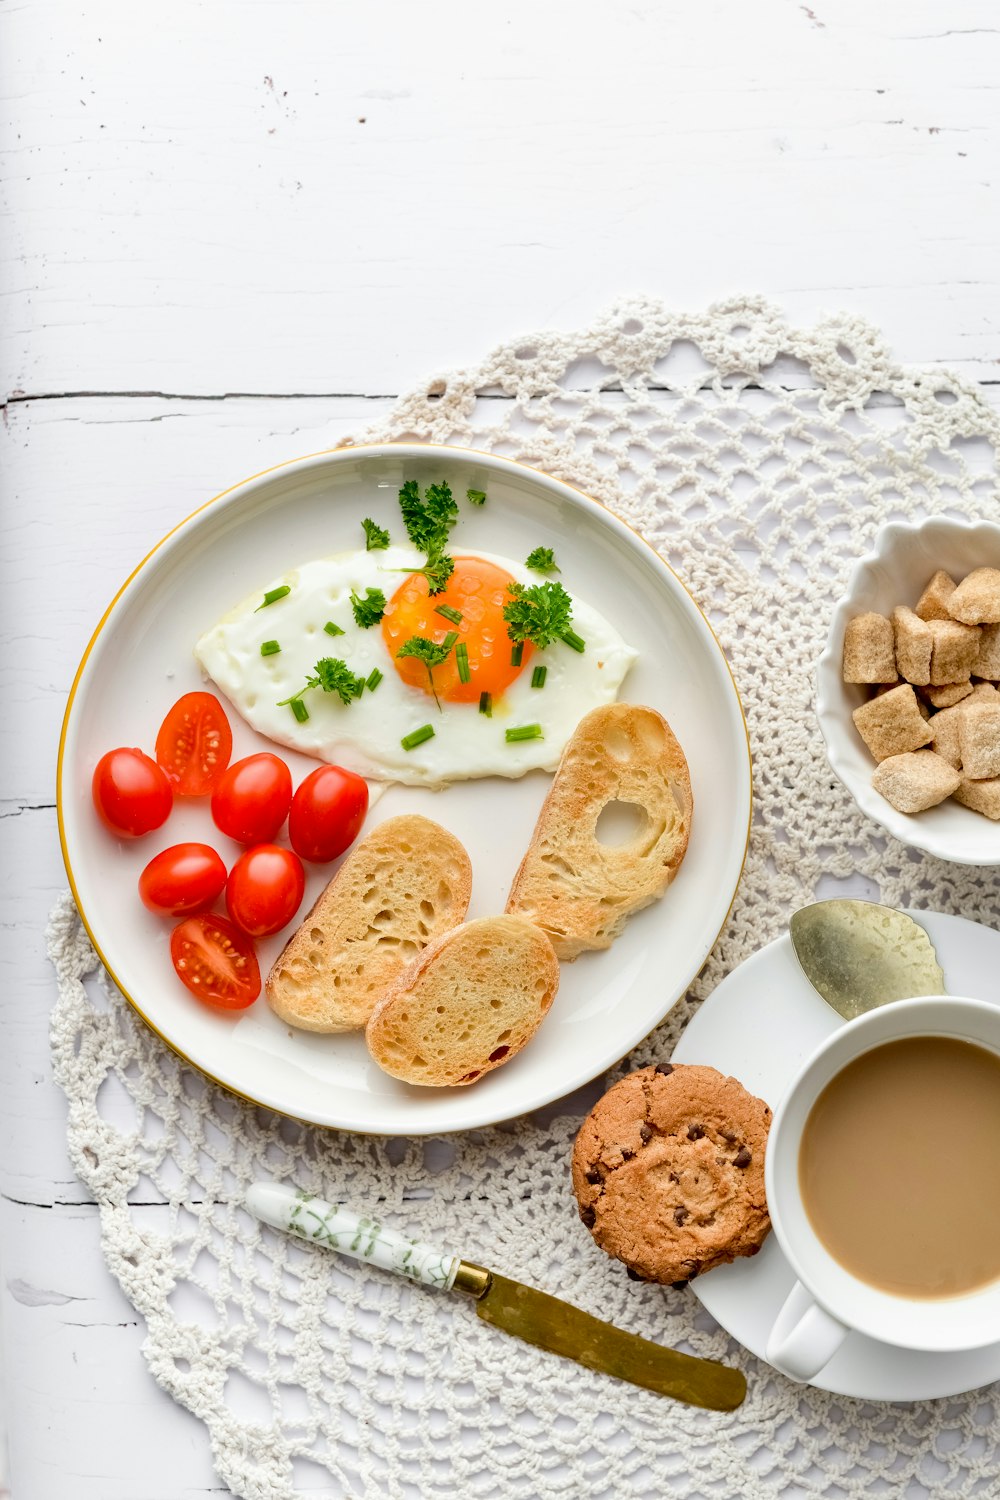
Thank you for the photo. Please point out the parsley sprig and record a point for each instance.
(542, 560)
(476, 497)
(333, 675)
(540, 613)
(369, 610)
(428, 521)
(431, 653)
(376, 537)
(437, 572)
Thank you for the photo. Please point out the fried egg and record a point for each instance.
(260, 655)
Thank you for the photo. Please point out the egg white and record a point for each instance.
(365, 735)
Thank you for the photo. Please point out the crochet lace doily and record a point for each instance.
(760, 460)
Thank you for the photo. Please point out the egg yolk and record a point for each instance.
(477, 590)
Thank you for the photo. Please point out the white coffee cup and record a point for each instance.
(827, 1302)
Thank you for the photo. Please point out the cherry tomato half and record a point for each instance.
(216, 961)
(264, 889)
(327, 812)
(252, 799)
(183, 878)
(131, 793)
(194, 744)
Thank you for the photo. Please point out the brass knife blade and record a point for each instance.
(549, 1323)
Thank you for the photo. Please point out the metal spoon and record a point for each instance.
(860, 955)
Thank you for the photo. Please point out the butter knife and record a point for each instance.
(528, 1314)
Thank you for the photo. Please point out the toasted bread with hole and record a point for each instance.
(467, 1005)
(576, 888)
(405, 884)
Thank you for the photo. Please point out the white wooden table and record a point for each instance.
(234, 229)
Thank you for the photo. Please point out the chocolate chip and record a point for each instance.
(627, 1153)
(633, 1275)
(678, 1286)
(695, 1132)
(645, 1134)
(754, 1250)
(742, 1157)
(594, 1177)
(589, 1217)
(680, 1214)
(729, 1135)
(664, 1069)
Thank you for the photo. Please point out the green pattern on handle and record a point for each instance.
(313, 1218)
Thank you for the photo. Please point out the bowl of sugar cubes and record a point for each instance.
(908, 687)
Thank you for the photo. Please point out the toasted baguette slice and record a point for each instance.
(409, 881)
(470, 1002)
(577, 889)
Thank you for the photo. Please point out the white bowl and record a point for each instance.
(904, 558)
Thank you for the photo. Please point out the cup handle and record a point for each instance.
(804, 1337)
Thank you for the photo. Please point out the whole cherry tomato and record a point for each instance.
(327, 812)
(252, 799)
(216, 961)
(264, 889)
(131, 793)
(183, 878)
(194, 744)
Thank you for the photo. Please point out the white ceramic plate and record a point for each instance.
(896, 572)
(761, 1022)
(140, 660)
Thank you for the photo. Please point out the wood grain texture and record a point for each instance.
(310, 199)
(206, 198)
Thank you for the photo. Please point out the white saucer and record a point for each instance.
(758, 1025)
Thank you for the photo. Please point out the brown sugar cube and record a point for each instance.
(948, 695)
(988, 660)
(981, 796)
(944, 726)
(891, 723)
(953, 652)
(976, 600)
(983, 692)
(869, 650)
(915, 782)
(933, 602)
(914, 645)
(979, 739)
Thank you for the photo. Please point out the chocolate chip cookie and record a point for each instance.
(668, 1171)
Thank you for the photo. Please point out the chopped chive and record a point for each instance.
(299, 710)
(454, 615)
(516, 653)
(462, 661)
(486, 704)
(450, 639)
(411, 741)
(332, 629)
(538, 677)
(572, 639)
(524, 732)
(273, 594)
(373, 679)
(269, 648)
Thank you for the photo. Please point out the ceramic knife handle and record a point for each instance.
(364, 1238)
